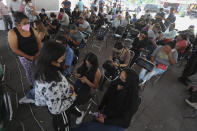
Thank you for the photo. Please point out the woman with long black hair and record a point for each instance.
(51, 87)
(119, 104)
(88, 76)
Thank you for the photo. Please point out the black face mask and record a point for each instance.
(121, 83)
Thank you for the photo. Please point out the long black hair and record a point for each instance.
(50, 52)
(132, 100)
(83, 70)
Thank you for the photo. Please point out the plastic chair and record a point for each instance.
(143, 63)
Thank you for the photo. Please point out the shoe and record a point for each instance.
(80, 119)
(183, 81)
(26, 100)
(192, 104)
(141, 82)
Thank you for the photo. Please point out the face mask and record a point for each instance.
(30, 4)
(26, 27)
(24, 3)
(42, 12)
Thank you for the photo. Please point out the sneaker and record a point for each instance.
(192, 104)
(80, 119)
(26, 100)
(141, 82)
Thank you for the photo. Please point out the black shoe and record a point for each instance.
(183, 81)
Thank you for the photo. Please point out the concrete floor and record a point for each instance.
(162, 108)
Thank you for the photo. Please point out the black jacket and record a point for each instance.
(119, 105)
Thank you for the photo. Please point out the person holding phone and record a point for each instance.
(88, 76)
(119, 104)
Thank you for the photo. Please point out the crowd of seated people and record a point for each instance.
(47, 45)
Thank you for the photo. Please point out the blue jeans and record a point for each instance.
(95, 126)
(145, 77)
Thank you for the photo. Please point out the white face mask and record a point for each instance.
(24, 3)
(30, 4)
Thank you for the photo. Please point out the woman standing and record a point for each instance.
(30, 12)
(25, 43)
(51, 87)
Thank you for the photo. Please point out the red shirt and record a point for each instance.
(183, 45)
(59, 16)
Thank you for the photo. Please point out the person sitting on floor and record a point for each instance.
(118, 106)
(120, 55)
(162, 57)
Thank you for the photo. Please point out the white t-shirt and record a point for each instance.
(65, 20)
(86, 25)
(15, 5)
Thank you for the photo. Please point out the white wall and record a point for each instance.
(53, 5)
(49, 5)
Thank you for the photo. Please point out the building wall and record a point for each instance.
(53, 5)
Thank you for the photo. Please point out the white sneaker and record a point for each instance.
(192, 104)
(80, 119)
(26, 100)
